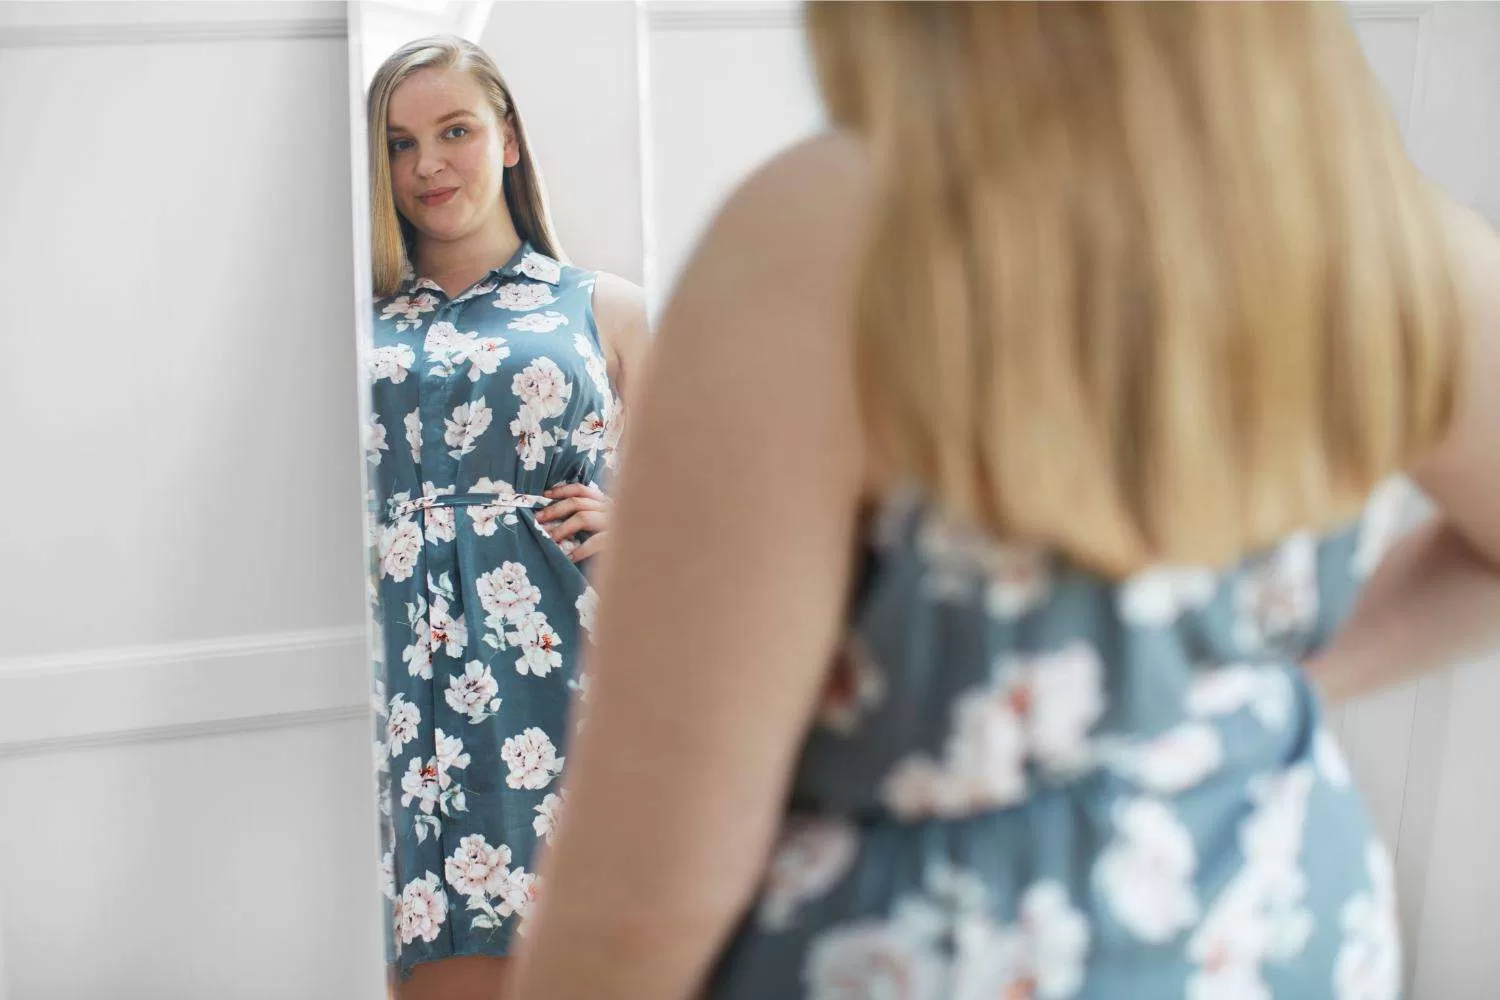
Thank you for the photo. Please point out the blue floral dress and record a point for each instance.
(1028, 782)
(480, 403)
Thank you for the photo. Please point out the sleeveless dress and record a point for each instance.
(1028, 782)
(479, 403)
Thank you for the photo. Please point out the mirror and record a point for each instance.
(503, 231)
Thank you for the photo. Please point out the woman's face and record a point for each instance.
(446, 151)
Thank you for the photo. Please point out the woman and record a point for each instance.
(496, 380)
(1022, 431)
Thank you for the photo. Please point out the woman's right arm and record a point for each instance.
(1435, 599)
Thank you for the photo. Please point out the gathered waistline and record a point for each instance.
(477, 498)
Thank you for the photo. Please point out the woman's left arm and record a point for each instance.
(620, 317)
(721, 603)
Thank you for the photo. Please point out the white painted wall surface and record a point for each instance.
(184, 752)
(572, 68)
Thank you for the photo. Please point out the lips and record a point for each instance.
(437, 196)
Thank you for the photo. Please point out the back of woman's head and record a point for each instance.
(1146, 282)
(524, 192)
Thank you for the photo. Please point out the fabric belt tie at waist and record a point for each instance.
(505, 501)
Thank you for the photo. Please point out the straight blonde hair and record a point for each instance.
(525, 195)
(1148, 282)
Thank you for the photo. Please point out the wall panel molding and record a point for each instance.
(133, 694)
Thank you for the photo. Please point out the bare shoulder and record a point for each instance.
(1463, 473)
(619, 309)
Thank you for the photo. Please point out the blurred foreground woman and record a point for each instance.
(1011, 466)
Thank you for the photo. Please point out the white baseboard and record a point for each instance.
(128, 695)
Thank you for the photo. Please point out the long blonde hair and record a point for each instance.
(1147, 281)
(525, 194)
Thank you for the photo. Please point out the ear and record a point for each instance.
(512, 152)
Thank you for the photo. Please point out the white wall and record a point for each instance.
(184, 749)
(730, 84)
(572, 70)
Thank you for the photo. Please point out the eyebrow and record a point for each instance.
(460, 113)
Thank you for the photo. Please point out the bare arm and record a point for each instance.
(1436, 597)
(722, 601)
(620, 311)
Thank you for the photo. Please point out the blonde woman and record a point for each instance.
(1022, 432)
(496, 381)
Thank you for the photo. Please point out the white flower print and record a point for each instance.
(856, 685)
(543, 388)
(542, 322)
(447, 633)
(1369, 961)
(539, 645)
(523, 296)
(400, 544)
(1329, 759)
(1276, 599)
(1258, 917)
(532, 759)
(423, 909)
(1043, 705)
(598, 370)
(439, 522)
(410, 309)
(375, 440)
(382, 756)
(531, 441)
(508, 592)
(587, 607)
(463, 429)
(388, 875)
(447, 348)
(517, 893)
(542, 268)
(418, 655)
(421, 784)
(1146, 873)
(548, 814)
(413, 423)
(813, 854)
(1064, 700)
(450, 757)
(1155, 597)
(473, 693)
(895, 959)
(1015, 578)
(983, 765)
(476, 868)
(1266, 690)
(1170, 763)
(1057, 940)
(484, 355)
(392, 362)
(487, 517)
(442, 341)
(591, 435)
(403, 721)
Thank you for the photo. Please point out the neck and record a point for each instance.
(457, 264)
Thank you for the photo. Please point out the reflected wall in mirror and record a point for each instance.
(505, 257)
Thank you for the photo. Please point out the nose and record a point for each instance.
(429, 162)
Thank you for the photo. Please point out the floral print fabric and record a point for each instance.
(480, 403)
(1026, 782)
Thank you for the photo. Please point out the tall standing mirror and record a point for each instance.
(505, 335)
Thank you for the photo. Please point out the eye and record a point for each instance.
(400, 145)
(457, 132)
